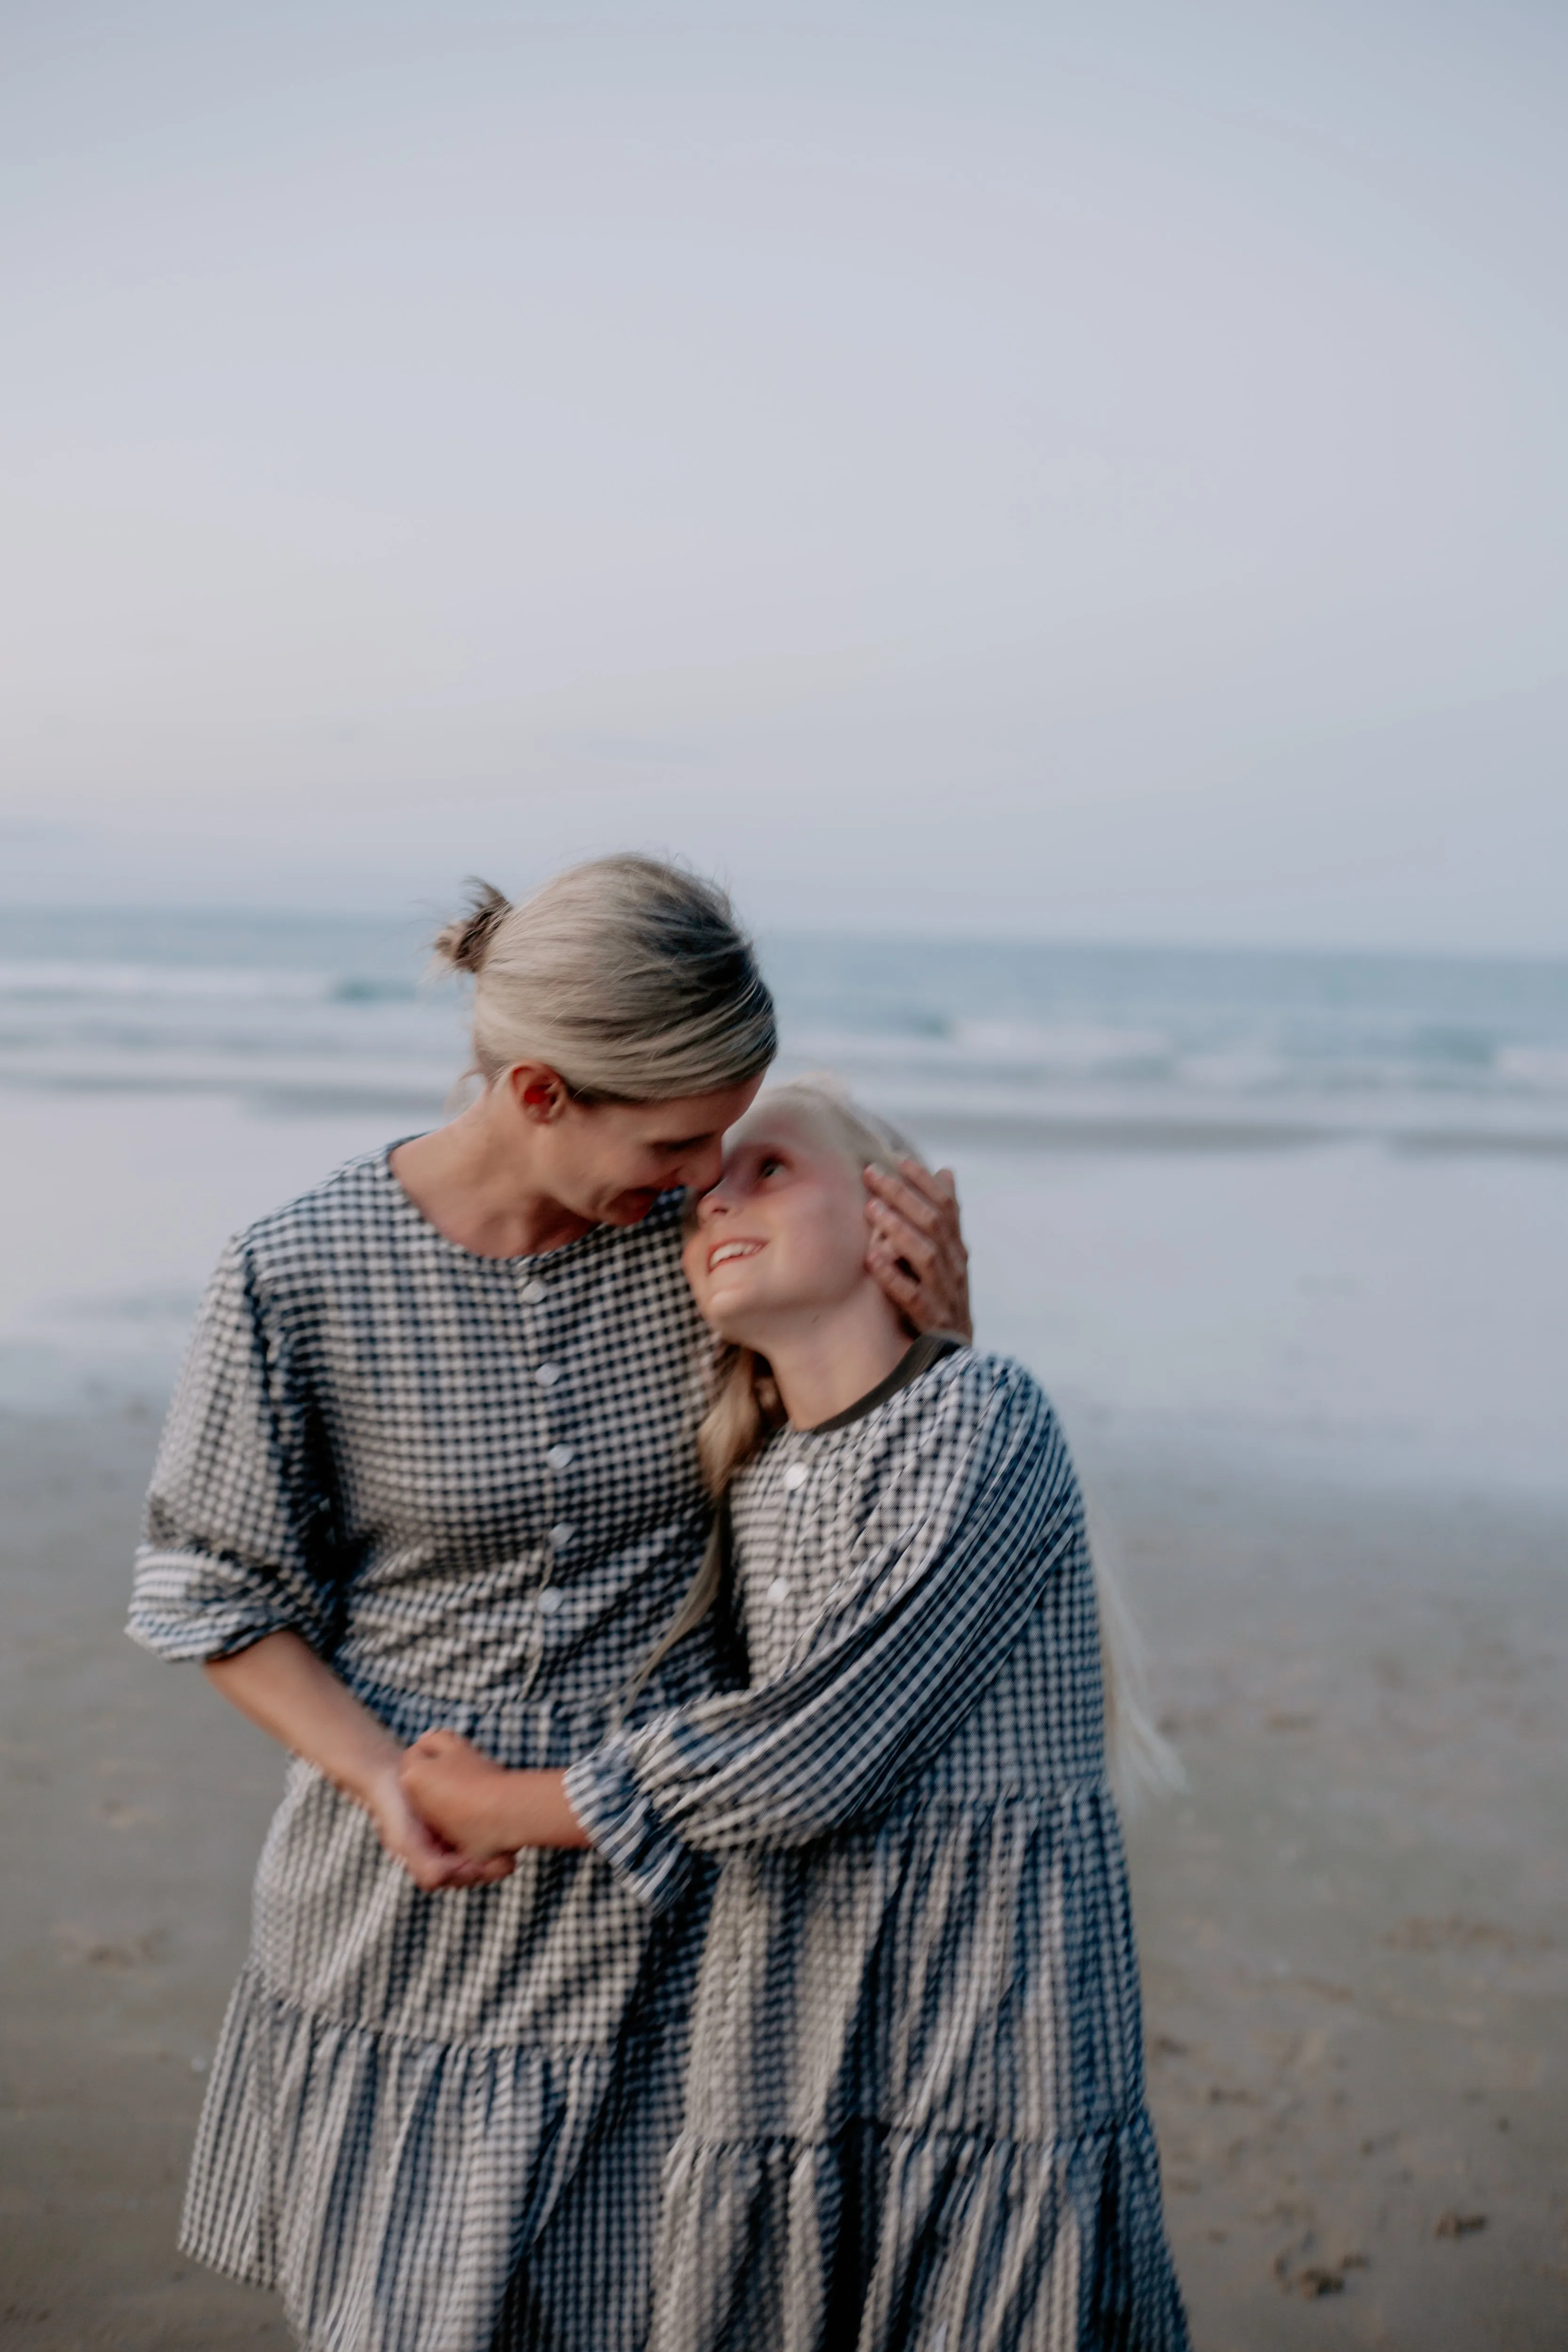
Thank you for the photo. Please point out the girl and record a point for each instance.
(914, 2113)
(430, 1462)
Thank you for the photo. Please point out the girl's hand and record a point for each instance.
(431, 1860)
(459, 1790)
(916, 1250)
(485, 1810)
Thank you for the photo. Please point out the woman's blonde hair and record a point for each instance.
(744, 1410)
(629, 978)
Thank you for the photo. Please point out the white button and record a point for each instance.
(560, 1457)
(549, 1600)
(547, 1375)
(533, 1294)
(561, 1535)
(778, 1589)
(796, 1476)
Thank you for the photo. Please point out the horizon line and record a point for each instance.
(367, 918)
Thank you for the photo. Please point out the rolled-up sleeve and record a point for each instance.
(234, 1544)
(878, 1686)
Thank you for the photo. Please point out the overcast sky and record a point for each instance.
(1083, 471)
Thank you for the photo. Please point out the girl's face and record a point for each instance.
(782, 1235)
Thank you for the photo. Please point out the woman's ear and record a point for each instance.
(539, 1092)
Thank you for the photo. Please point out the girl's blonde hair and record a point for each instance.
(744, 1410)
(629, 978)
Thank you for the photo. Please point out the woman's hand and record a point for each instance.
(916, 1250)
(430, 1861)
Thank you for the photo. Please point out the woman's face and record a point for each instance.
(610, 1162)
(783, 1232)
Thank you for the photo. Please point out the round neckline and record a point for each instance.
(432, 1232)
(922, 1355)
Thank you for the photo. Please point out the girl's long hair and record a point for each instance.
(744, 1410)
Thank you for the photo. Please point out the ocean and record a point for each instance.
(1310, 1205)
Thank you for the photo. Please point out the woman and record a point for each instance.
(914, 2112)
(430, 1462)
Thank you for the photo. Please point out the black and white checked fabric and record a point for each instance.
(915, 2118)
(470, 1484)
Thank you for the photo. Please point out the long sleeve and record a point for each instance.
(982, 1511)
(237, 1541)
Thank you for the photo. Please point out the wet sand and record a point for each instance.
(1355, 1923)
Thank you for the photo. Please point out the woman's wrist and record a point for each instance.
(281, 1684)
(368, 1771)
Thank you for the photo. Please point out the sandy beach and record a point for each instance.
(1354, 1922)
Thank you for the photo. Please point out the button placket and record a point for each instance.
(546, 1376)
(558, 1458)
(795, 1478)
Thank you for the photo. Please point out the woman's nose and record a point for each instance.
(705, 1167)
(713, 1204)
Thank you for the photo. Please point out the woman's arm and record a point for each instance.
(281, 1684)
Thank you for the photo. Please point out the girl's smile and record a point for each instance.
(723, 1250)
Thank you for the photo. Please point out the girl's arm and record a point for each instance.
(281, 1684)
(885, 1682)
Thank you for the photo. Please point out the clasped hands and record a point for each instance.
(480, 1813)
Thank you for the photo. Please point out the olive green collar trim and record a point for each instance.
(928, 1349)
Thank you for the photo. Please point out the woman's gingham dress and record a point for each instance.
(470, 1484)
(915, 2118)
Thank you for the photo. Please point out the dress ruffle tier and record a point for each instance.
(882, 2241)
(384, 2186)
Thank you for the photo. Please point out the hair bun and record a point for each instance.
(464, 943)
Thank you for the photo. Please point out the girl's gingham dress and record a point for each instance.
(915, 2118)
(470, 1483)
